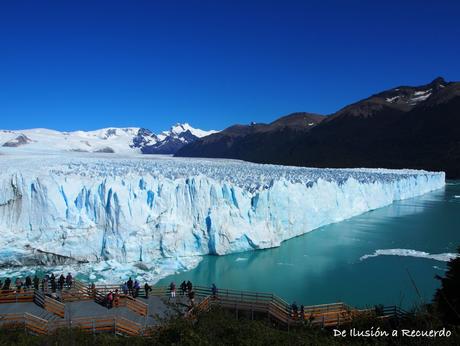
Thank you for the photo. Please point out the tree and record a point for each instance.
(447, 297)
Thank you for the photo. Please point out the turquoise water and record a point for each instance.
(324, 266)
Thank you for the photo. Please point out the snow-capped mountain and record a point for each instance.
(168, 142)
(129, 140)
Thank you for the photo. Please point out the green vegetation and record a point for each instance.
(219, 327)
(447, 298)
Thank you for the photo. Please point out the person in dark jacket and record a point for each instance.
(69, 280)
(28, 282)
(7, 284)
(294, 310)
(61, 281)
(183, 288)
(36, 282)
(129, 283)
(214, 290)
(189, 286)
(53, 283)
(147, 289)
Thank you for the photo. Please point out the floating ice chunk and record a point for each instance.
(444, 257)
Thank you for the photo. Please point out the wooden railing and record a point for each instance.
(27, 321)
(325, 315)
(134, 305)
(16, 297)
(55, 307)
(49, 304)
(36, 325)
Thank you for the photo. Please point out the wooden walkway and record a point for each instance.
(83, 307)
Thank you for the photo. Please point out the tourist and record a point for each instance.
(93, 289)
(191, 296)
(28, 282)
(189, 286)
(36, 282)
(116, 298)
(61, 281)
(302, 312)
(294, 310)
(124, 288)
(7, 284)
(109, 300)
(136, 288)
(44, 284)
(18, 284)
(1, 284)
(147, 289)
(130, 286)
(183, 287)
(69, 280)
(214, 291)
(53, 283)
(172, 289)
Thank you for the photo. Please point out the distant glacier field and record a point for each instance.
(107, 216)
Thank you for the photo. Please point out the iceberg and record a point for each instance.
(74, 210)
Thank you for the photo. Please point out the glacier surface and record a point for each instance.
(157, 214)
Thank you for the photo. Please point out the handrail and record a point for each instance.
(37, 325)
(54, 306)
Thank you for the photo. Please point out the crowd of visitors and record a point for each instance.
(48, 282)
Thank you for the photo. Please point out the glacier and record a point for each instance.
(156, 215)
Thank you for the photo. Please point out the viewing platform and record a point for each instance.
(83, 306)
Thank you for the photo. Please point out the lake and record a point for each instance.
(325, 266)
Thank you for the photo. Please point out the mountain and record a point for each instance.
(404, 127)
(254, 142)
(167, 142)
(129, 140)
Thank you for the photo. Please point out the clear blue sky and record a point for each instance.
(71, 65)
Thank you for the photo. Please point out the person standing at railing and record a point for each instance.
(18, 284)
(189, 286)
(294, 309)
(53, 283)
(61, 281)
(147, 289)
(28, 282)
(302, 312)
(109, 300)
(36, 282)
(183, 288)
(129, 283)
(93, 289)
(214, 291)
(69, 280)
(124, 288)
(172, 289)
(136, 289)
(7, 284)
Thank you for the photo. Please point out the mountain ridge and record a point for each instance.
(123, 140)
(403, 127)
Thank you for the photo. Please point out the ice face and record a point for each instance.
(65, 210)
